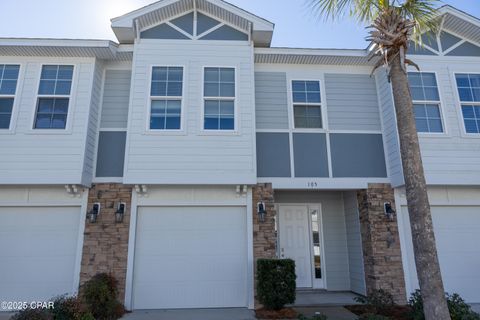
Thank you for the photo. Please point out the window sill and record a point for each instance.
(160, 132)
(49, 131)
(204, 132)
(7, 131)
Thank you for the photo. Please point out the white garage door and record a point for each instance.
(38, 252)
(190, 258)
(457, 233)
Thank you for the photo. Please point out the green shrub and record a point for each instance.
(33, 314)
(378, 300)
(70, 308)
(315, 317)
(100, 295)
(459, 309)
(276, 282)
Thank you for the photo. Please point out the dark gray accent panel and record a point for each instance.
(271, 103)
(447, 40)
(162, 31)
(417, 49)
(185, 23)
(430, 40)
(111, 154)
(205, 23)
(116, 95)
(225, 33)
(273, 155)
(357, 155)
(310, 154)
(466, 49)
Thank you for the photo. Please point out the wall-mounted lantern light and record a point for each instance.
(388, 210)
(261, 211)
(120, 212)
(93, 214)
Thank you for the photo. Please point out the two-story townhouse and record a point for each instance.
(202, 149)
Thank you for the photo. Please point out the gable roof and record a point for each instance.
(127, 26)
(460, 23)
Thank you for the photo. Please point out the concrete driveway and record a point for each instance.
(189, 314)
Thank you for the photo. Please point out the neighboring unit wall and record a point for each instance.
(354, 243)
(334, 232)
(192, 155)
(116, 98)
(58, 157)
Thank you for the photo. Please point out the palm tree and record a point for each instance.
(393, 24)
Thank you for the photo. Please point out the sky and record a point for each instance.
(295, 24)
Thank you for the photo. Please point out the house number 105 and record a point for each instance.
(312, 184)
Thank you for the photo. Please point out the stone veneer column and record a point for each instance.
(105, 245)
(264, 236)
(380, 240)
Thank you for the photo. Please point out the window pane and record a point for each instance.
(173, 122)
(212, 75)
(300, 111)
(477, 111)
(211, 123)
(476, 94)
(212, 107)
(51, 113)
(49, 72)
(313, 97)
(465, 94)
(158, 107)
(227, 75)
(314, 111)
(159, 74)
(435, 125)
(227, 123)
(157, 122)
(43, 121)
(419, 110)
(5, 120)
(11, 72)
(59, 121)
(159, 88)
(298, 86)
(417, 93)
(65, 72)
(428, 79)
(314, 122)
(468, 112)
(462, 80)
(227, 90)
(431, 94)
(475, 80)
(299, 97)
(227, 108)
(175, 74)
(6, 105)
(174, 89)
(45, 105)
(422, 125)
(47, 87)
(174, 107)
(301, 122)
(414, 79)
(312, 86)
(471, 126)
(212, 90)
(8, 87)
(433, 111)
(63, 87)
(61, 106)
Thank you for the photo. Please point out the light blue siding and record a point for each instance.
(357, 155)
(334, 232)
(271, 106)
(354, 243)
(116, 95)
(390, 135)
(466, 49)
(162, 31)
(273, 155)
(352, 102)
(315, 146)
(111, 154)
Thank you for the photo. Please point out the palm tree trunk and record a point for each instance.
(426, 259)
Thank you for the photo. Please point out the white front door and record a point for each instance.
(295, 241)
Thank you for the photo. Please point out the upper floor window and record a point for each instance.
(426, 102)
(166, 98)
(468, 86)
(53, 97)
(219, 99)
(8, 87)
(307, 109)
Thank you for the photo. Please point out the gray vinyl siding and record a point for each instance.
(32, 158)
(116, 95)
(352, 102)
(110, 154)
(390, 134)
(193, 156)
(354, 243)
(334, 232)
(271, 103)
(91, 134)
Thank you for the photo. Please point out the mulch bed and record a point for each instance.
(394, 313)
(285, 313)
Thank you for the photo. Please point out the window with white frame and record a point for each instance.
(219, 99)
(468, 86)
(307, 108)
(166, 98)
(53, 97)
(8, 87)
(426, 102)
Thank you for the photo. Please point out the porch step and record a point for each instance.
(315, 298)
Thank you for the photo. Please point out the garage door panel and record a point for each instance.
(182, 253)
(40, 245)
(457, 236)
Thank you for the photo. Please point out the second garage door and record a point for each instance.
(457, 234)
(190, 257)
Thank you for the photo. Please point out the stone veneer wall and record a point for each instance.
(105, 245)
(380, 240)
(264, 236)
